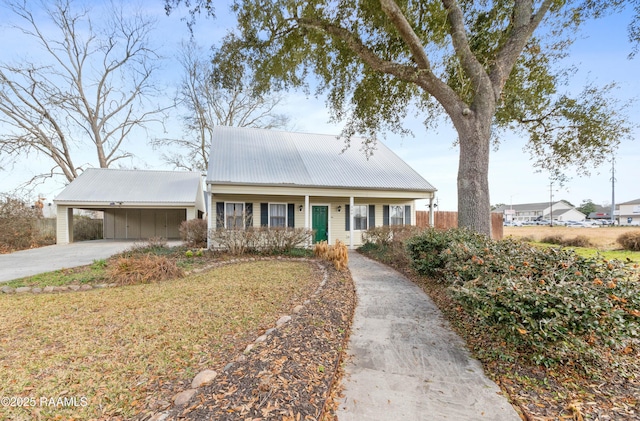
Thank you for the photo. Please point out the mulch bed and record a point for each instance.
(290, 376)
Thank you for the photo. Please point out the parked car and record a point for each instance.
(512, 224)
(543, 222)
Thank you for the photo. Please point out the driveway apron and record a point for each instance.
(46, 259)
(405, 362)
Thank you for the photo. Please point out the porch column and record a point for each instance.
(306, 217)
(431, 213)
(209, 213)
(351, 210)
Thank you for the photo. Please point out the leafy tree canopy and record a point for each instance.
(488, 65)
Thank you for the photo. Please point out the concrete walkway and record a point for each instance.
(405, 361)
(46, 259)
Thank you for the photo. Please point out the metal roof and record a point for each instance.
(100, 185)
(277, 158)
(631, 202)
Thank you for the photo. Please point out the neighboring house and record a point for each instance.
(601, 212)
(558, 211)
(268, 178)
(136, 204)
(629, 213)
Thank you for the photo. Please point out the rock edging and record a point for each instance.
(206, 377)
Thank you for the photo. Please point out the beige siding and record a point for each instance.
(336, 219)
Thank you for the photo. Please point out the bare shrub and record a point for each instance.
(18, 225)
(194, 232)
(579, 241)
(379, 235)
(630, 240)
(553, 239)
(142, 269)
(85, 228)
(266, 240)
(283, 239)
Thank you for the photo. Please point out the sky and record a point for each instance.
(600, 55)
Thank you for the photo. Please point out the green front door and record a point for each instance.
(320, 223)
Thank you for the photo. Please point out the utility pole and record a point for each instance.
(551, 202)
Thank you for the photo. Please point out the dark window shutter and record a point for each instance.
(372, 216)
(248, 210)
(219, 214)
(385, 215)
(407, 215)
(264, 214)
(291, 215)
(347, 218)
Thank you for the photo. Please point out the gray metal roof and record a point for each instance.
(631, 202)
(100, 185)
(270, 157)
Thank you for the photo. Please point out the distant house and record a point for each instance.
(629, 212)
(558, 211)
(136, 204)
(268, 178)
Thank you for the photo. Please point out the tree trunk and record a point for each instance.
(474, 209)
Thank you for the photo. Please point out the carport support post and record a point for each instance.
(351, 211)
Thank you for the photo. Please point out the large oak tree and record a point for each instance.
(487, 64)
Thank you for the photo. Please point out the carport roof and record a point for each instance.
(102, 185)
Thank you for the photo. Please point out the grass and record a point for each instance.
(589, 252)
(118, 349)
(603, 238)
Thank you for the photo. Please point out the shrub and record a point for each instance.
(548, 302)
(337, 254)
(579, 241)
(553, 239)
(142, 269)
(266, 240)
(85, 228)
(194, 232)
(630, 240)
(432, 249)
(379, 236)
(18, 225)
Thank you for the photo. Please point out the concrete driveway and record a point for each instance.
(46, 259)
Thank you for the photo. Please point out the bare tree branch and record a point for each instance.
(91, 92)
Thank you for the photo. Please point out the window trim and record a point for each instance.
(286, 214)
(365, 216)
(401, 214)
(244, 221)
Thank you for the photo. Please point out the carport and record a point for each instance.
(136, 204)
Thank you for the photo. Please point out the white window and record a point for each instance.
(277, 215)
(396, 215)
(360, 217)
(234, 215)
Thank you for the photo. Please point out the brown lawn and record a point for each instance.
(603, 238)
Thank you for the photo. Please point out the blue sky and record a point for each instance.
(600, 54)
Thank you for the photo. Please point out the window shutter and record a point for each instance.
(372, 216)
(291, 223)
(248, 209)
(264, 214)
(407, 215)
(347, 218)
(385, 215)
(219, 214)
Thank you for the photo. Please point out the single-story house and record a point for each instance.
(629, 212)
(269, 178)
(558, 211)
(136, 204)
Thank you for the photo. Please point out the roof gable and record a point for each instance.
(102, 185)
(270, 157)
